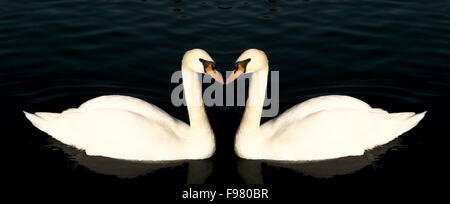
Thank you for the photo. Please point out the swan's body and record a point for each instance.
(325, 127)
(124, 127)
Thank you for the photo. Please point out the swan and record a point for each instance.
(320, 128)
(128, 128)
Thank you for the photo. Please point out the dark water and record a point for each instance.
(393, 54)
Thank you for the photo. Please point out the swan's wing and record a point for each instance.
(337, 133)
(133, 105)
(311, 106)
(113, 133)
(125, 103)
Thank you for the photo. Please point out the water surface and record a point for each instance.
(393, 54)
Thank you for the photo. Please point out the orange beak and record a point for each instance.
(214, 74)
(235, 74)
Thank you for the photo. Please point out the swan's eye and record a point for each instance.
(241, 65)
(210, 68)
(208, 65)
(239, 68)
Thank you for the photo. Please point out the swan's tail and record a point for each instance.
(408, 120)
(41, 119)
(400, 123)
(55, 126)
(397, 124)
(415, 119)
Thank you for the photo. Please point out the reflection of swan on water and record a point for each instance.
(253, 171)
(128, 128)
(197, 171)
(321, 128)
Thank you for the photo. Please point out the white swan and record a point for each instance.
(325, 127)
(128, 128)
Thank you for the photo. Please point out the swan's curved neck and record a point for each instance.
(200, 129)
(249, 128)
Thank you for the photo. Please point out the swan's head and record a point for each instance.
(198, 60)
(251, 60)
